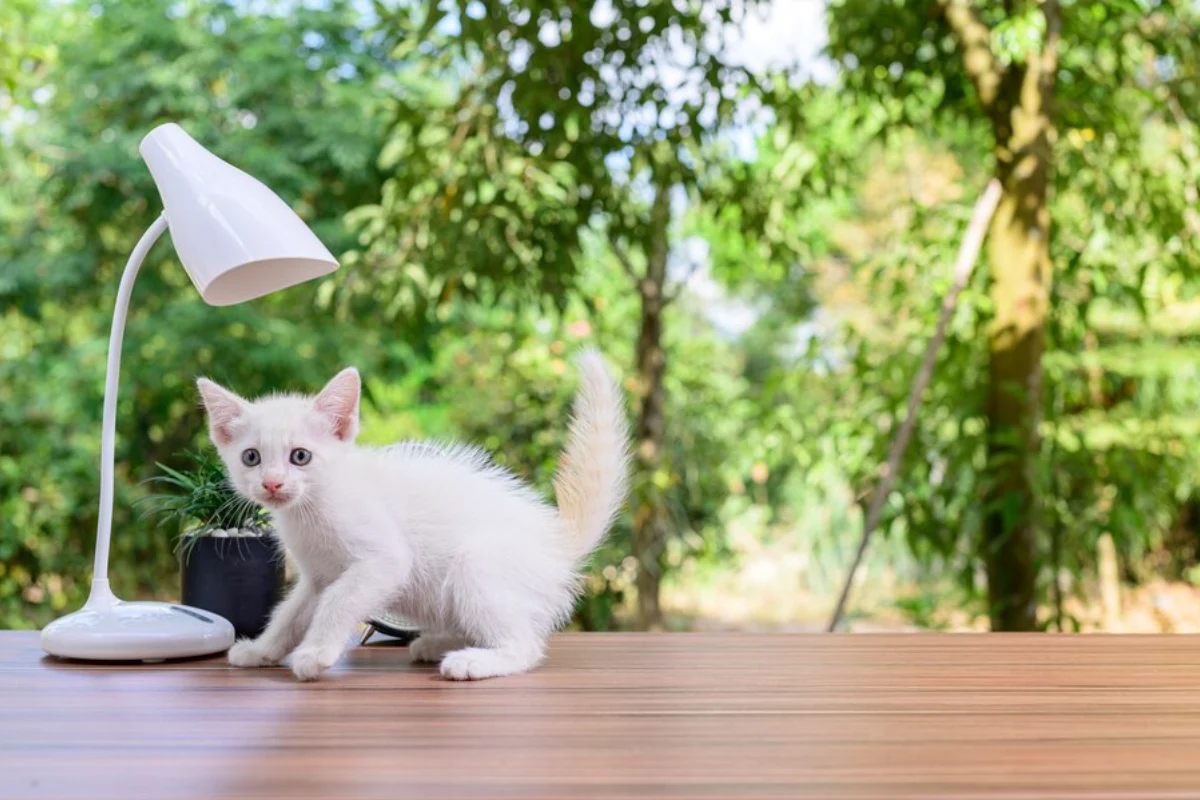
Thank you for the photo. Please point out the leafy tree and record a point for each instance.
(1029, 76)
(521, 125)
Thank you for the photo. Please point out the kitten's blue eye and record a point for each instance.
(251, 458)
(300, 457)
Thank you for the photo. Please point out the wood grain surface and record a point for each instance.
(625, 716)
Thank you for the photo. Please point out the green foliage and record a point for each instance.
(518, 126)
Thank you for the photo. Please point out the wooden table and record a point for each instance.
(625, 716)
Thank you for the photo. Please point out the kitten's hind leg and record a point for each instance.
(428, 648)
(477, 663)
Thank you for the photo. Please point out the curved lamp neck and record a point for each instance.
(101, 594)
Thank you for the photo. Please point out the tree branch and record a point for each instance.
(681, 285)
(964, 265)
(623, 258)
(975, 37)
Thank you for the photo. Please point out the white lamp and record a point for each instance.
(238, 241)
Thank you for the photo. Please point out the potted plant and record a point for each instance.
(229, 561)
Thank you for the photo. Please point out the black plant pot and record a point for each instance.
(239, 577)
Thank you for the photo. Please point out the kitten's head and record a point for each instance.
(276, 448)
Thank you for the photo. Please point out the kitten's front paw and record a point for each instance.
(249, 653)
(475, 664)
(308, 662)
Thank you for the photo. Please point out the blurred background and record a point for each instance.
(751, 207)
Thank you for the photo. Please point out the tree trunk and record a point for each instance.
(650, 517)
(1019, 255)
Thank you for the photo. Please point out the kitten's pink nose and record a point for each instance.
(272, 486)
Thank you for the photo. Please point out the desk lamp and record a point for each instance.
(237, 240)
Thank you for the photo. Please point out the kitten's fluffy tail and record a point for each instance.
(592, 477)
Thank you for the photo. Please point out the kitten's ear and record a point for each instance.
(223, 407)
(338, 402)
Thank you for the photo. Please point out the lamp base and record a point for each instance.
(108, 629)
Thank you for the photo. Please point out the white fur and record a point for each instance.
(437, 534)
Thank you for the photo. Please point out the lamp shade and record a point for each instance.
(236, 238)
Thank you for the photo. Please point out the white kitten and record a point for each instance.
(439, 535)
